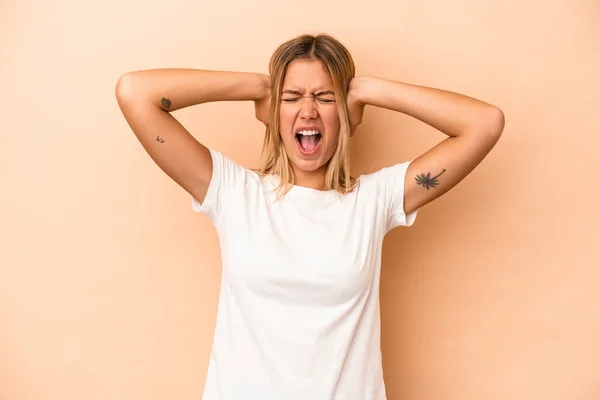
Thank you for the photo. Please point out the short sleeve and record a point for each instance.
(226, 177)
(391, 184)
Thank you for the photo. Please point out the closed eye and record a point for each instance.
(319, 99)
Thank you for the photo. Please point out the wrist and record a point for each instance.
(367, 88)
(263, 86)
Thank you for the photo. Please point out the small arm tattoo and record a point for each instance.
(165, 103)
(428, 181)
(159, 139)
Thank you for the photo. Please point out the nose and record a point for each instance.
(308, 109)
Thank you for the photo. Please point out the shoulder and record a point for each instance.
(229, 183)
(388, 175)
(228, 167)
(388, 185)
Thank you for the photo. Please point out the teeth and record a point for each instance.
(307, 133)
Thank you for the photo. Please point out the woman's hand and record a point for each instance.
(263, 103)
(356, 105)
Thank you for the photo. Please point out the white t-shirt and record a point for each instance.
(298, 313)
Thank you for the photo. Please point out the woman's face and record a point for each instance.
(309, 120)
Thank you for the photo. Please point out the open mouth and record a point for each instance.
(308, 141)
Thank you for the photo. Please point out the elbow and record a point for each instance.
(496, 122)
(488, 126)
(126, 88)
(490, 122)
(123, 86)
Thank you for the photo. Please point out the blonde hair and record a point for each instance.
(338, 62)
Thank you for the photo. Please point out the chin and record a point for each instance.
(309, 165)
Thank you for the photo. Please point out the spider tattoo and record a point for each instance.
(427, 181)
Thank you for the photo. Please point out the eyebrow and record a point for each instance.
(320, 92)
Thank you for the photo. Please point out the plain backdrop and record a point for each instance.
(109, 281)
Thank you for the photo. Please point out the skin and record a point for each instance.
(473, 127)
(305, 101)
(146, 99)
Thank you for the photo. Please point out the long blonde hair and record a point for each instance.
(338, 61)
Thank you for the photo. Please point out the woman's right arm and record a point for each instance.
(147, 97)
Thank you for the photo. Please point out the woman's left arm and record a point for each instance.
(473, 127)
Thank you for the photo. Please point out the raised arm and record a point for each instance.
(473, 127)
(146, 98)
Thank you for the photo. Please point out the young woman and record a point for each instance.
(301, 237)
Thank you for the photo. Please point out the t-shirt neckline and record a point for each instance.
(304, 191)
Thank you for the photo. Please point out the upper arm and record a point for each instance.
(442, 167)
(168, 143)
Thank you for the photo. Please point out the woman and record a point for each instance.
(301, 237)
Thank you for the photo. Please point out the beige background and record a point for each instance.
(109, 282)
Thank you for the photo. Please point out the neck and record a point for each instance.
(311, 179)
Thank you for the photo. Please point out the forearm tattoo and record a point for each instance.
(165, 103)
(428, 181)
(159, 139)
